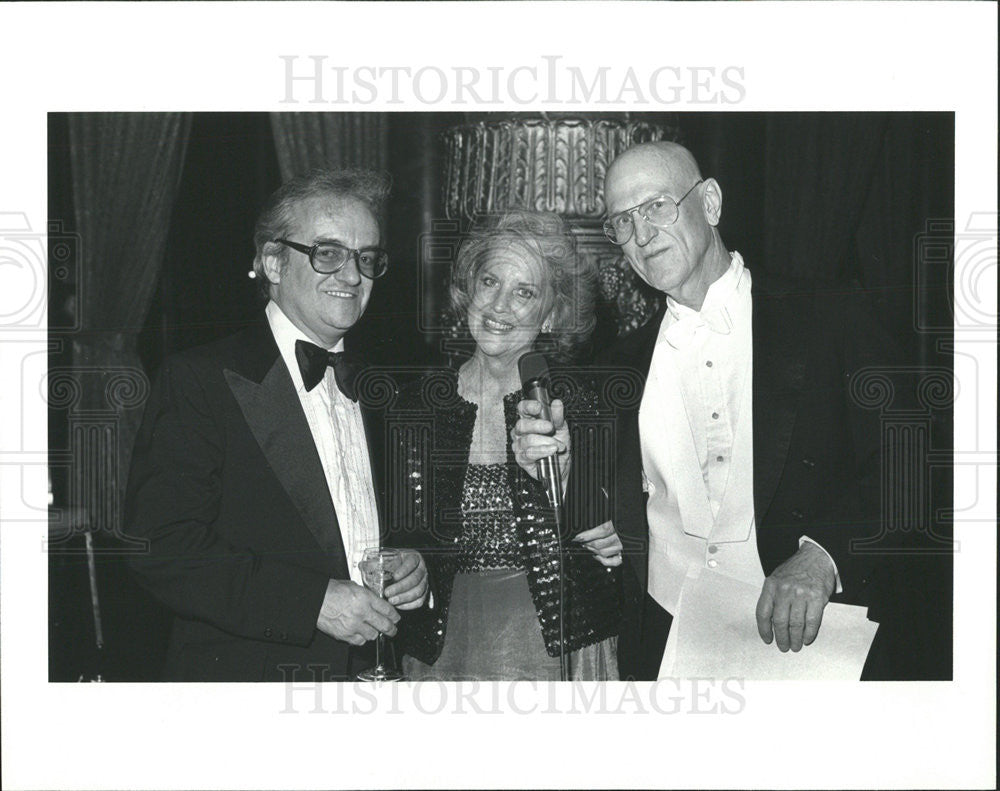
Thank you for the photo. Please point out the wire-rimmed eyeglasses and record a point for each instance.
(661, 211)
(329, 257)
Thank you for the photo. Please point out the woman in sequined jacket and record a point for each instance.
(482, 524)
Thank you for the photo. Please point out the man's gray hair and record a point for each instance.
(371, 187)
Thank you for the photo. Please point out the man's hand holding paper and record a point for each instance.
(713, 636)
(792, 600)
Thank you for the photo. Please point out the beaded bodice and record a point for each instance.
(489, 537)
(467, 517)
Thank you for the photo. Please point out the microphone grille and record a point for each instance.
(532, 365)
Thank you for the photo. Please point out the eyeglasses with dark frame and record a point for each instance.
(661, 212)
(326, 258)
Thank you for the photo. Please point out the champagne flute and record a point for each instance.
(378, 569)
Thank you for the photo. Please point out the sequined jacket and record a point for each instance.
(430, 428)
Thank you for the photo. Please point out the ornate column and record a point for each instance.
(554, 163)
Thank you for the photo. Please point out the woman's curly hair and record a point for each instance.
(570, 279)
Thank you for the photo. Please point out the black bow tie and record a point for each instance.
(313, 361)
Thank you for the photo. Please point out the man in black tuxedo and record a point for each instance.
(744, 452)
(253, 479)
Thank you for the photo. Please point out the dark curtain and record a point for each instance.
(910, 205)
(904, 249)
(126, 168)
(333, 140)
(859, 197)
(818, 171)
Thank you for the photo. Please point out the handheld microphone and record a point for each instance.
(534, 373)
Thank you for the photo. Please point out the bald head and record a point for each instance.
(682, 257)
(671, 159)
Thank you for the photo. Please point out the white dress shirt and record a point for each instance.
(339, 433)
(696, 429)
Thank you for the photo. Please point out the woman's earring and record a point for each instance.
(547, 326)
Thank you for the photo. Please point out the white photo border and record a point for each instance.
(223, 56)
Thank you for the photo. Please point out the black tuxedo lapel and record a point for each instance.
(274, 414)
(779, 365)
(636, 355)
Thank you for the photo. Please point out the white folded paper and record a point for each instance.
(714, 635)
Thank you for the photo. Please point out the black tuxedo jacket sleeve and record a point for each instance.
(816, 452)
(228, 491)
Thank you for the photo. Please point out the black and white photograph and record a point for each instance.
(227, 540)
(519, 392)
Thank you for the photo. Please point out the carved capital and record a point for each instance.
(537, 162)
